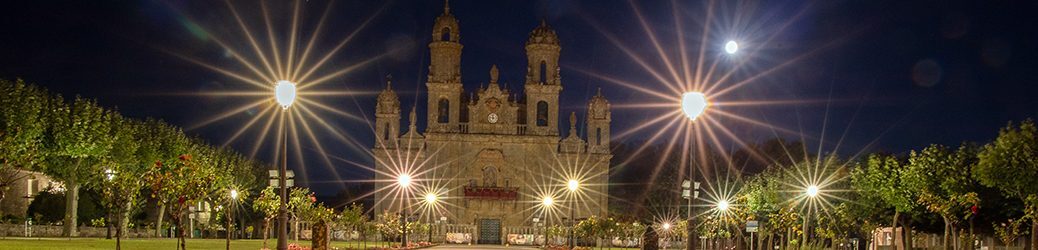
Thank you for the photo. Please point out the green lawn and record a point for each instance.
(147, 244)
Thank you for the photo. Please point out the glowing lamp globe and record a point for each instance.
(731, 47)
(722, 205)
(547, 201)
(431, 198)
(666, 226)
(812, 191)
(693, 104)
(404, 180)
(285, 93)
(234, 194)
(573, 185)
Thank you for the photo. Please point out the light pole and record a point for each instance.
(573, 185)
(404, 182)
(547, 202)
(693, 104)
(811, 192)
(430, 201)
(230, 208)
(284, 94)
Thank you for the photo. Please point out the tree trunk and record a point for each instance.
(908, 235)
(893, 230)
(118, 234)
(946, 240)
(266, 231)
(1034, 234)
(228, 230)
(71, 207)
(108, 226)
(158, 223)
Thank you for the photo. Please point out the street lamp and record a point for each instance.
(404, 181)
(230, 210)
(573, 185)
(547, 203)
(430, 200)
(693, 105)
(811, 192)
(285, 95)
(731, 47)
(722, 206)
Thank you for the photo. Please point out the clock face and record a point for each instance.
(492, 118)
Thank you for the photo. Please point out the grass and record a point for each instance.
(147, 244)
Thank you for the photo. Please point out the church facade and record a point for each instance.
(492, 155)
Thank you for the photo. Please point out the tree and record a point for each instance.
(267, 204)
(78, 142)
(121, 179)
(180, 184)
(882, 177)
(943, 182)
(1010, 164)
(22, 127)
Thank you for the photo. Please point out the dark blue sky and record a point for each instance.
(908, 73)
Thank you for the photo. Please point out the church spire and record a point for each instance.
(446, 6)
(413, 118)
(572, 123)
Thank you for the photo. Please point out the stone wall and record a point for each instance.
(18, 230)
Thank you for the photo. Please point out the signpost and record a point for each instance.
(751, 227)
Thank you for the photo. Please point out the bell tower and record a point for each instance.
(387, 117)
(598, 120)
(444, 80)
(543, 82)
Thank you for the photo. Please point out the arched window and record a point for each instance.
(445, 34)
(385, 136)
(444, 111)
(544, 72)
(598, 136)
(542, 113)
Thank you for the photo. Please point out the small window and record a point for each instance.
(445, 34)
(542, 113)
(544, 72)
(444, 111)
(598, 136)
(385, 134)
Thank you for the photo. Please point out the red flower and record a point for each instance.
(313, 199)
(973, 209)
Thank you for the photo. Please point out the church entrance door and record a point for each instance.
(489, 231)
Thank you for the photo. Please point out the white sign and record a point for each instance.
(751, 226)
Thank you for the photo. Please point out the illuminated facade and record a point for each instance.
(495, 153)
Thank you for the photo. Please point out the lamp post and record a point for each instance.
(230, 209)
(404, 182)
(811, 192)
(547, 202)
(573, 185)
(430, 201)
(284, 94)
(693, 104)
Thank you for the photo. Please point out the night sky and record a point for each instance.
(890, 75)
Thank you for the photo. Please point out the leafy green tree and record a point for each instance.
(943, 182)
(267, 204)
(180, 184)
(1010, 164)
(22, 127)
(120, 179)
(78, 143)
(882, 177)
(165, 145)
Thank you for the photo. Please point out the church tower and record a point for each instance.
(444, 80)
(543, 82)
(598, 119)
(387, 117)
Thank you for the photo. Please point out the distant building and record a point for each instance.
(493, 153)
(23, 189)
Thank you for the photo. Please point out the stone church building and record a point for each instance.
(494, 154)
